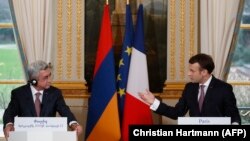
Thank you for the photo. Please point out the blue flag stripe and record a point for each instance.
(103, 89)
(139, 34)
(125, 56)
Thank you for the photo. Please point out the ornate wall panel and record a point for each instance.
(182, 41)
(68, 54)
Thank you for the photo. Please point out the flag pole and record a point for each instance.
(107, 2)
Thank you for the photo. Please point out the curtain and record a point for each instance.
(34, 24)
(218, 20)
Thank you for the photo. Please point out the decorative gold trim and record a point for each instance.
(75, 93)
(245, 26)
(83, 106)
(84, 96)
(62, 84)
(238, 83)
(12, 82)
(192, 28)
(70, 85)
(171, 95)
(182, 39)
(172, 39)
(79, 39)
(69, 40)
(59, 58)
(82, 85)
(174, 86)
(6, 25)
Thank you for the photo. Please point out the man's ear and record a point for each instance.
(204, 72)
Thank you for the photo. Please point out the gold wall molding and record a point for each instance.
(168, 95)
(72, 89)
(70, 93)
(12, 82)
(182, 41)
(245, 26)
(171, 95)
(173, 90)
(192, 29)
(79, 15)
(172, 39)
(59, 59)
(238, 83)
(174, 86)
(70, 85)
(69, 89)
(6, 25)
(68, 54)
(69, 39)
(182, 31)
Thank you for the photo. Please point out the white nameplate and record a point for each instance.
(204, 120)
(42, 136)
(40, 124)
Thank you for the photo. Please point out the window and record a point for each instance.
(11, 70)
(239, 74)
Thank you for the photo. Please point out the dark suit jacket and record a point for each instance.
(219, 102)
(22, 104)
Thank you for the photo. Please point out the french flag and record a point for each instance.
(135, 110)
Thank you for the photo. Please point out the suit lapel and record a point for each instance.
(196, 88)
(210, 88)
(45, 103)
(30, 101)
(209, 92)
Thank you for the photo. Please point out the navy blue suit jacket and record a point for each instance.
(219, 101)
(22, 104)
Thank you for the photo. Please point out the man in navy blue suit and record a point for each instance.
(219, 99)
(50, 98)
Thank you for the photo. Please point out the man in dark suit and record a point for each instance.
(49, 99)
(204, 96)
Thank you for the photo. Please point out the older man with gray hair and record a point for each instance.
(38, 99)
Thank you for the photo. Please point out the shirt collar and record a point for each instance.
(34, 91)
(207, 82)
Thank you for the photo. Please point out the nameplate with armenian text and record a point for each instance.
(40, 124)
